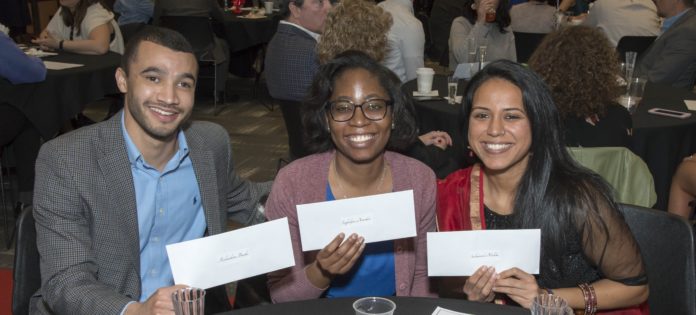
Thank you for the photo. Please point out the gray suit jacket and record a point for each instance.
(671, 59)
(291, 62)
(86, 216)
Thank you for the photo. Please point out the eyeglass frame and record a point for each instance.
(388, 103)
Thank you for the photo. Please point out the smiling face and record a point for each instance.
(159, 90)
(359, 139)
(499, 131)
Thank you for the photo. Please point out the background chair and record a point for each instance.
(27, 276)
(293, 125)
(625, 171)
(526, 44)
(199, 33)
(666, 244)
(638, 44)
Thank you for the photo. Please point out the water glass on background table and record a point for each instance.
(452, 83)
(634, 94)
(548, 304)
(630, 64)
(374, 306)
(189, 301)
(482, 55)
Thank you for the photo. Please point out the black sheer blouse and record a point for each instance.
(616, 258)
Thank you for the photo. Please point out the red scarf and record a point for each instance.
(461, 192)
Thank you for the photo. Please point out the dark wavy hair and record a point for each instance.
(314, 109)
(555, 193)
(75, 18)
(502, 14)
(579, 65)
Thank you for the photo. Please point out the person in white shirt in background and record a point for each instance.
(534, 16)
(406, 40)
(619, 18)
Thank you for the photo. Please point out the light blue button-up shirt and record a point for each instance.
(169, 211)
(667, 23)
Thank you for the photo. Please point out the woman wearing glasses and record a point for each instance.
(356, 113)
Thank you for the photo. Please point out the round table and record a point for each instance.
(64, 93)
(662, 142)
(242, 33)
(404, 305)
(246, 39)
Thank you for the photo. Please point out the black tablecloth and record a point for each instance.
(662, 142)
(439, 115)
(404, 305)
(242, 33)
(64, 93)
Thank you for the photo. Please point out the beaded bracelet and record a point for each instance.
(590, 297)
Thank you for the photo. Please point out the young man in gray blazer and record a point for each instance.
(671, 59)
(111, 196)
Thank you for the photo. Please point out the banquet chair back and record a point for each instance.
(526, 44)
(199, 33)
(623, 170)
(666, 244)
(26, 276)
(638, 44)
(293, 124)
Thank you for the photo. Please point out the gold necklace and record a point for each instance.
(338, 177)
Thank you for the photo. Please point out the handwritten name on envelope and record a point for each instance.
(461, 253)
(376, 218)
(231, 256)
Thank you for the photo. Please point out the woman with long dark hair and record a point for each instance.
(84, 27)
(355, 116)
(483, 23)
(525, 179)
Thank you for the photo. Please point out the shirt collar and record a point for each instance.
(314, 35)
(667, 23)
(134, 155)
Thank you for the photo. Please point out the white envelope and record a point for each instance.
(214, 260)
(376, 218)
(461, 253)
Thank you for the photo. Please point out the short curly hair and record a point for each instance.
(581, 69)
(355, 25)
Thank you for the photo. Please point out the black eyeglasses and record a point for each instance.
(374, 109)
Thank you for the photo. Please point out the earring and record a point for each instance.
(471, 153)
(328, 129)
(393, 126)
(473, 6)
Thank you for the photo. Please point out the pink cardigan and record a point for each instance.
(305, 180)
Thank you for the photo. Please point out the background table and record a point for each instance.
(440, 115)
(64, 93)
(662, 142)
(246, 39)
(404, 305)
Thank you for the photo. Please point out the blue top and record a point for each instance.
(134, 11)
(17, 66)
(169, 211)
(372, 275)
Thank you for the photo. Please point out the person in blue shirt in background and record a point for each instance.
(18, 68)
